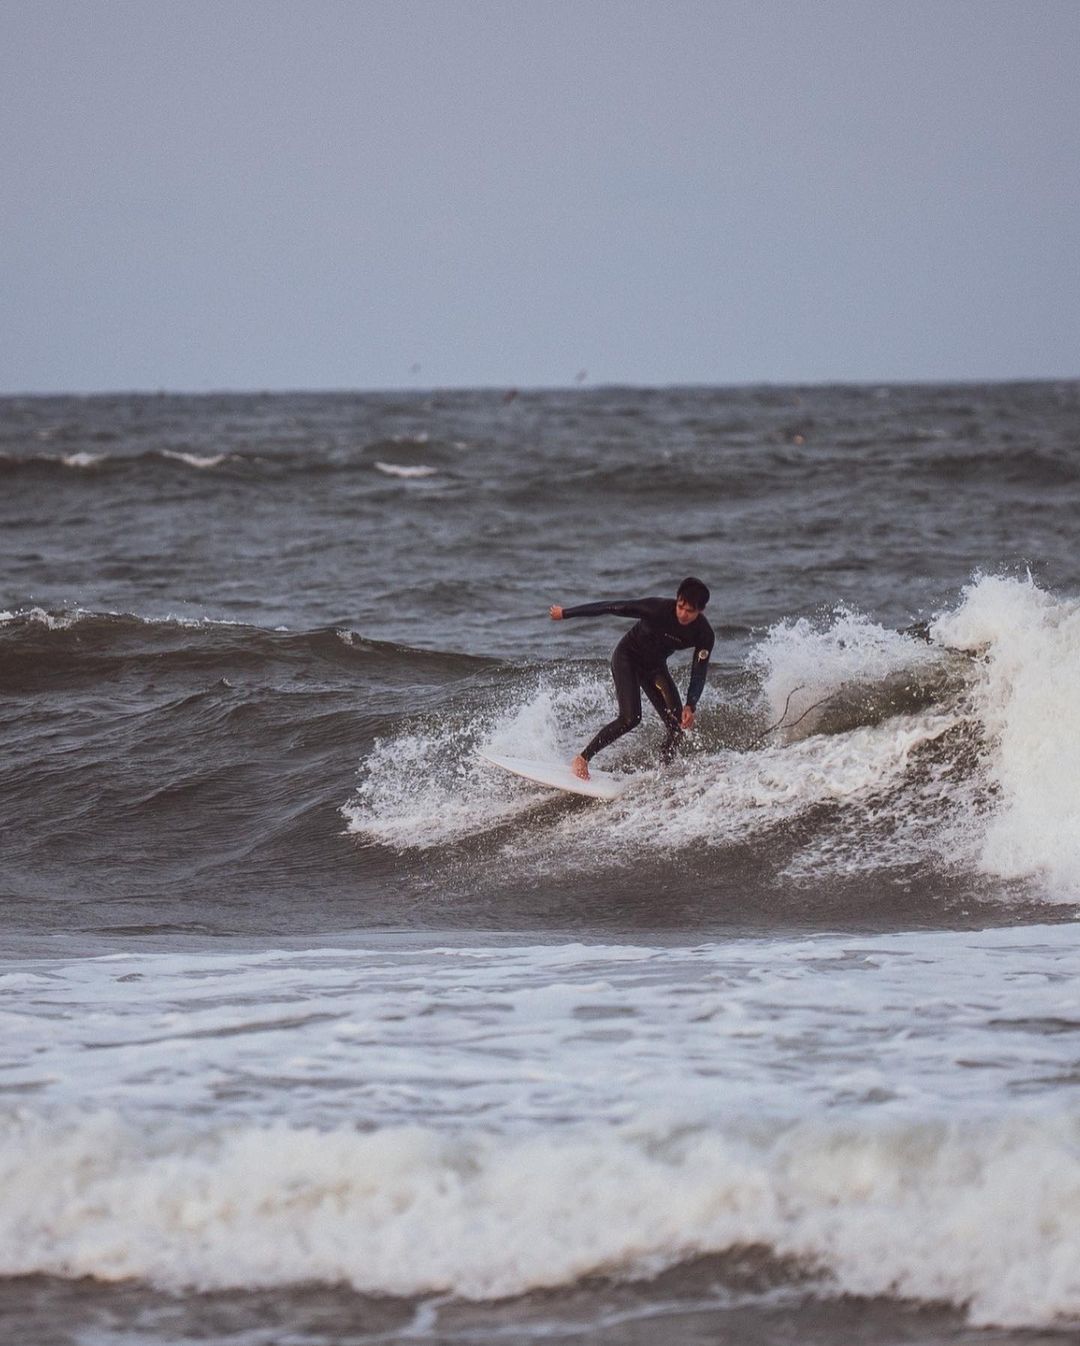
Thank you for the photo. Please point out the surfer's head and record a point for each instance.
(690, 600)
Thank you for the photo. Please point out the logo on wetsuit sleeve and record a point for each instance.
(703, 654)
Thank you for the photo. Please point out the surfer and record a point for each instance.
(639, 664)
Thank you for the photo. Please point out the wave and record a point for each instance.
(1022, 466)
(819, 722)
(773, 467)
(849, 748)
(91, 463)
(405, 470)
(74, 645)
(1024, 699)
(844, 769)
(399, 457)
(980, 1215)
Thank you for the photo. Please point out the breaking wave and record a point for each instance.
(838, 749)
(953, 747)
(979, 1215)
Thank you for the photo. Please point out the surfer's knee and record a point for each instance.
(628, 722)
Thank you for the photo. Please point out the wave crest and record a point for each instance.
(980, 1215)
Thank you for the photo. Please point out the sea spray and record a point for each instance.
(1027, 647)
(426, 785)
(804, 664)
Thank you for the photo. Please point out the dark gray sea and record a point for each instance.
(317, 1030)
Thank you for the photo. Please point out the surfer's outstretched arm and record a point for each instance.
(634, 607)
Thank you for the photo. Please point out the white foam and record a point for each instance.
(406, 470)
(59, 621)
(536, 1035)
(1024, 695)
(898, 1111)
(725, 798)
(982, 1217)
(83, 460)
(804, 663)
(425, 787)
(422, 790)
(62, 621)
(198, 623)
(196, 460)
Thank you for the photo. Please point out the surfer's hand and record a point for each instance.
(687, 718)
(555, 612)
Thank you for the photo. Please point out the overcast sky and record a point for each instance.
(356, 194)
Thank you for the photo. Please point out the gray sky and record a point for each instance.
(202, 194)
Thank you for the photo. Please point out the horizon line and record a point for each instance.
(522, 389)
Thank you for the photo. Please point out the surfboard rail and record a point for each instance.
(557, 776)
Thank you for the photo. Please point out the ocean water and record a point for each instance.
(315, 1030)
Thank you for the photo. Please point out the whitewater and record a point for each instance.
(486, 1121)
(982, 775)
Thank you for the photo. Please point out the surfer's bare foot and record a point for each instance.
(580, 767)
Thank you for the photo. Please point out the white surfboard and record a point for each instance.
(558, 776)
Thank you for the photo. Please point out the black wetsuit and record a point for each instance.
(640, 664)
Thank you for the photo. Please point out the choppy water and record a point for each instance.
(312, 1027)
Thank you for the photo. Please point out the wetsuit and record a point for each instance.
(640, 664)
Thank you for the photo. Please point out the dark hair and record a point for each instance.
(695, 593)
